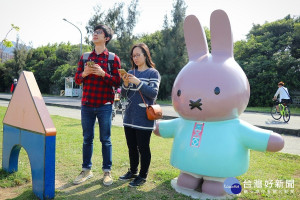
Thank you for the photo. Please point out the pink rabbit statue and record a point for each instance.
(210, 142)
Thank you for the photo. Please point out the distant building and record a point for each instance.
(4, 56)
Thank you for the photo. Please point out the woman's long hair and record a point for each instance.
(146, 53)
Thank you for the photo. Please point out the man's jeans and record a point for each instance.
(88, 118)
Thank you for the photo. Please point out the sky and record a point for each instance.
(41, 21)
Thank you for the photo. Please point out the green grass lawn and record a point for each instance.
(275, 168)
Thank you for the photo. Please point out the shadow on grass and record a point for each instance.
(4, 174)
(28, 194)
(71, 125)
(159, 189)
(12, 179)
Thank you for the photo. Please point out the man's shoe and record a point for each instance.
(107, 179)
(83, 176)
(138, 181)
(126, 177)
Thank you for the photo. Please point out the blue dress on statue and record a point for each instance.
(217, 149)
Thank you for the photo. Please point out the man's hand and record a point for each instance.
(98, 71)
(93, 69)
(87, 71)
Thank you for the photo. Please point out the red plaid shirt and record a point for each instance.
(98, 90)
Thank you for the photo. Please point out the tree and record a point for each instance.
(269, 55)
(20, 56)
(173, 55)
(295, 46)
(58, 78)
(5, 42)
(50, 62)
(122, 27)
(6, 75)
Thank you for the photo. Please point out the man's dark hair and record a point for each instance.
(107, 31)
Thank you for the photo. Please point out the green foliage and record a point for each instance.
(295, 46)
(20, 56)
(51, 63)
(123, 28)
(15, 27)
(43, 64)
(7, 43)
(43, 61)
(59, 75)
(267, 57)
(168, 49)
(6, 75)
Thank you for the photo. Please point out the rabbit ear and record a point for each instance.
(194, 38)
(221, 36)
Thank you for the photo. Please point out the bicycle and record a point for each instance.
(119, 104)
(284, 111)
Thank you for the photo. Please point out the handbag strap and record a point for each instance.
(140, 92)
(143, 98)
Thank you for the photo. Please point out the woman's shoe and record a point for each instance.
(138, 181)
(128, 176)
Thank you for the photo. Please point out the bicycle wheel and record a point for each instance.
(123, 107)
(113, 114)
(287, 114)
(276, 115)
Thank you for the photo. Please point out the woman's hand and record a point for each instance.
(130, 78)
(133, 79)
(125, 79)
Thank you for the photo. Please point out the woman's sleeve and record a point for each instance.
(151, 90)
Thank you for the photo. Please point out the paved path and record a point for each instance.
(69, 107)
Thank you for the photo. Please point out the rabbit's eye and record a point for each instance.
(178, 92)
(217, 90)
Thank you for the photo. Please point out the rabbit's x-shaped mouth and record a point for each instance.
(195, 104)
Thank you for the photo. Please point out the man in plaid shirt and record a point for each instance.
(97, 100)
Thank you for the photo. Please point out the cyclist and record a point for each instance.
(283, 93)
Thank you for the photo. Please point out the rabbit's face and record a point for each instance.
(211, 89)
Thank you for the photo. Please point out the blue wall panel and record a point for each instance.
(41, 153)
(34, 145)
(11, 148)
(50, 167)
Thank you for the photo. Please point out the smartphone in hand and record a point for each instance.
(122, 72)
(90, 63)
